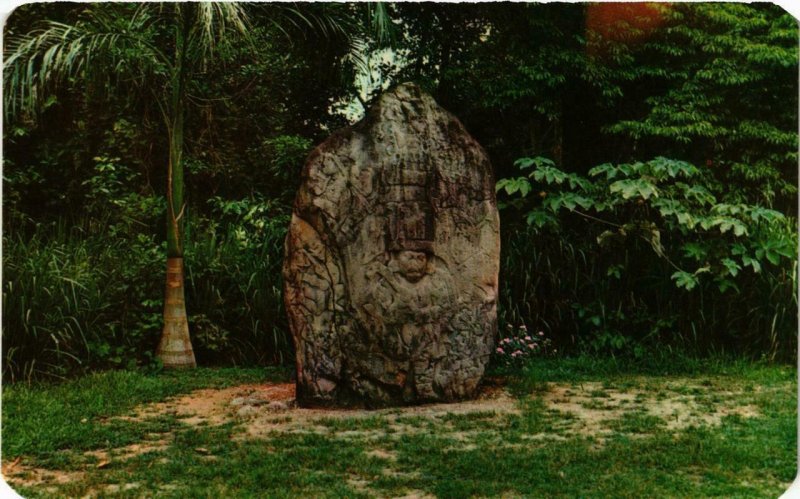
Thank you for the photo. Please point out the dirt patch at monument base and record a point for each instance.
(263, 408)
(261, 411)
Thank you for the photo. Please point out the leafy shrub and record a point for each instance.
(283, 158)
(638, 232)
(233, 283)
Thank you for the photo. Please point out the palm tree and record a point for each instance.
(156, 48)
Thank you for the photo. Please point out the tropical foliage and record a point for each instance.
(646, 223)
(646, 157)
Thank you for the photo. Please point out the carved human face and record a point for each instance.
(412, 264)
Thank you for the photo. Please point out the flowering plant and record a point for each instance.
(520, 345)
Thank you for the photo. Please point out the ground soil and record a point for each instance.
(589, 411)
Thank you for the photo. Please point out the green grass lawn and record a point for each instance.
(565, 427)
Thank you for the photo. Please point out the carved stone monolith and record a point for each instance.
(392, 259)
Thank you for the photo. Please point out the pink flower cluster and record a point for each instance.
(519, 345)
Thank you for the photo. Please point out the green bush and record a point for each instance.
(234, 285)
(647, 254)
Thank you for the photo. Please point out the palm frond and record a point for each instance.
(215, 22)
(380, 22)
(40, 61)
(351, 25)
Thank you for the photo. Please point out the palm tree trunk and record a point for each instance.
(175, 347)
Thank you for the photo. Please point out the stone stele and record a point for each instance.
(392, 259)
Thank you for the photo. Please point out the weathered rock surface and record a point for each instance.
(392, 259)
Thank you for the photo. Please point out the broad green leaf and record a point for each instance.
(696, 251)
(758, 213)
(685, 280)
(629, 188)
(539, 218)
(513, 185)
(752, 263)
(608, 169)
(524, 163)
(696, 193)
(773, 257)
(732, 267)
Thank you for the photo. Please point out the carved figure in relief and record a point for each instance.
(392, 259)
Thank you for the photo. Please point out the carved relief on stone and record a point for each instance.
(392, 259)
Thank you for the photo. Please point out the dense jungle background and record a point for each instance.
(646, 158)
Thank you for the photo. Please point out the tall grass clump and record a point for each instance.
(86, 295)
(71, 302)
